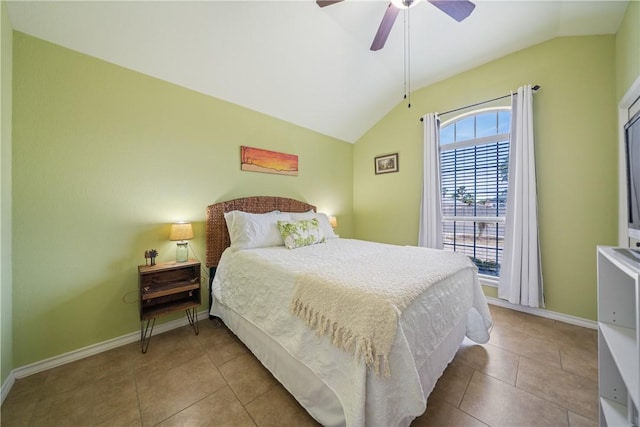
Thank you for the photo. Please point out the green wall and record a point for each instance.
(104, 159)
(6, 341)
(576, 151)
(628, 49)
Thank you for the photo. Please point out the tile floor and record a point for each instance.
(534, 372)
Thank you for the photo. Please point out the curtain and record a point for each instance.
(430, 229)
(521, 274)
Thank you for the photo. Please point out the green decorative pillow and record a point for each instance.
(300, 233)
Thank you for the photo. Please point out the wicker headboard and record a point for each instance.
(216, 228)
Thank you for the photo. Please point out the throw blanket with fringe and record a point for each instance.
(358, 305)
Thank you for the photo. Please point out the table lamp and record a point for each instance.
(181, 231)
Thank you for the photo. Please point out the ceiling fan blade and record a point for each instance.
(385, 27)
(323, 3)
(457, 9)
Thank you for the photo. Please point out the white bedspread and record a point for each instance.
(259, 284)
(359, 301)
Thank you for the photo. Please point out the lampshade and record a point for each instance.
(181, 231)
(333, 221)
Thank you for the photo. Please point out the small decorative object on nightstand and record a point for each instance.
(181, 231)
(150, 254)
(167, 288)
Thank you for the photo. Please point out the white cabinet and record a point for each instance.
(618, 336)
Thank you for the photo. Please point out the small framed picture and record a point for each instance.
(387, 163)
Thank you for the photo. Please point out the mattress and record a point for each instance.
(252, 291)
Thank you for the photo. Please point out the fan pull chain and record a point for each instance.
(404, 51)
(407, 57)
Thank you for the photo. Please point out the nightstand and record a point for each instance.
(167, 288)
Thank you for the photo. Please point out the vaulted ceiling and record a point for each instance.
(298, 62)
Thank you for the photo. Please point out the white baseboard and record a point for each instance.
(72, 356)
(566, 318)
(6, 387)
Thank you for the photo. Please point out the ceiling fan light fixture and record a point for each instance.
(404, 4)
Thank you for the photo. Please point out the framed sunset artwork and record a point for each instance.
(259, 160)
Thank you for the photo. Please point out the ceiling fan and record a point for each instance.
(457, 9)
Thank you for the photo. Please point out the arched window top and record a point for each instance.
(476, 124)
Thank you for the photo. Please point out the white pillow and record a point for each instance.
(248, 230)
(325, 226)
(299, 216)
(322, 218)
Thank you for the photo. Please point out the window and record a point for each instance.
(474, 159)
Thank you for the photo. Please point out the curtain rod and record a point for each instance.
(534, 88)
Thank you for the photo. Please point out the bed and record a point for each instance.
(348, 355)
